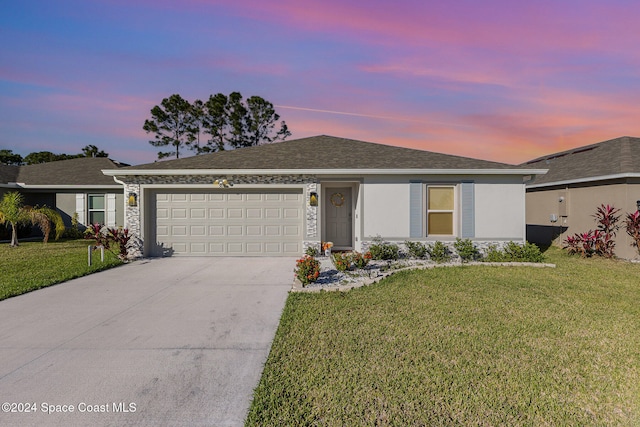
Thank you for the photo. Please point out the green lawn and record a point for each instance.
(35, 265)
(461, 346)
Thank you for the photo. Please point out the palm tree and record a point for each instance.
(44, 217)
(11, 211)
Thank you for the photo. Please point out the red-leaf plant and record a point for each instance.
(106, 236)
(632, 226)
(121, 237)
(94, 232)
(582, 243)
(607, 219)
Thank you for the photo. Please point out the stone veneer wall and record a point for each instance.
(133, 184)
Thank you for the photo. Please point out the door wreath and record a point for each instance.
(337, 199)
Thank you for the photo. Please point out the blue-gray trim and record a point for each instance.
(467, 210)
(416, 191)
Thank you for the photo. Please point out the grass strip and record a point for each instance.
(35, 265)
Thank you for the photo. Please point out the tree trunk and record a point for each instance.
(14, 235)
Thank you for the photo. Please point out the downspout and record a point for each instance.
(125, 204)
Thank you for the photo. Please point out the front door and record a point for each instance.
(338, 217)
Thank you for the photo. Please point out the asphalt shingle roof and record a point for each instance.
(80, 171)
(613, 157)
(324, 152)
(8, 173)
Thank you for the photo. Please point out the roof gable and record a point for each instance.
(608, 158)
(323, 152)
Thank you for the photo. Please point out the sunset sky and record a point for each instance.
(499, 80)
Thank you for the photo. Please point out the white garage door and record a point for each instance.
(227, 222)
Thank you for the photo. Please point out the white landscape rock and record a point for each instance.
(333, 280)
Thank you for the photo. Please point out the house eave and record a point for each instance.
(19, 185)
(165, 172)
(587, 179)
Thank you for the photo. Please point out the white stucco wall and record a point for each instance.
(385, 207)
(499, 206)
(500, 210)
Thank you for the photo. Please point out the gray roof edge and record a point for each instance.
(401, 171)
(586, 179)
(576, 150)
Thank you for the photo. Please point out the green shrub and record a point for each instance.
(494, 254)
(416, 249)
(312, 251)
(439, 252)
(342, 260)
(524, 253)
(384, 251)
(514, 252)
(466, 249)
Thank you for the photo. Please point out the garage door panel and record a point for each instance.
(198, 248)
(216, 230)
(216, 213)
(178, 213)
(235, 248)
(291, 230)
(196, 213)
(234, 213)
(229, 223)
(198, 230)
(254, 213)
(235, 230)
(254, 230)
(291, 213)
(179, 230)
(179, 247)
(292, 247)
(216, 248)
(272, 213)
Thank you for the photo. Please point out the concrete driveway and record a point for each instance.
(173, 341)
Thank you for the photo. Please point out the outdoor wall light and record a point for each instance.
(222, 183)
(133, 199)
(313, 199)
(638, 204)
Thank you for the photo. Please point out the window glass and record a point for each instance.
(96, 202)
(440, 198)
(440, 210)
(96, 217)
(96, 209)
(440, 223)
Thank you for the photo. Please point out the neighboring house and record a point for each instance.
(279, 199)
(562, 202)
(70, 186)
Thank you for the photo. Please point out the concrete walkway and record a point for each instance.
(173, 341)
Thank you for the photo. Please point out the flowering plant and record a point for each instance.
(348, 260)
(326, 245)
(361, 260)
(307, 270)
(342, 260)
